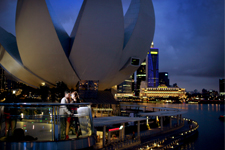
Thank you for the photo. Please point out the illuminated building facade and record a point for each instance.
(163, 92)
(139, 76)
(163, 78)
(123, 90)
(88, 89)
(125, 87)
(152, 65)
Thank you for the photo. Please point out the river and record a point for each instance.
(211, 129)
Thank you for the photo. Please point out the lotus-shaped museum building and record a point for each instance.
(105, 45)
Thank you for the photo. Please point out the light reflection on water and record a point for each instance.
(211, 129)
(189, 146)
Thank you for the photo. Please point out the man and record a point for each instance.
(64, 112)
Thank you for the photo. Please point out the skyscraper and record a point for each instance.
(152, 65)
(126, 86)
(163, 78)
(139, 76)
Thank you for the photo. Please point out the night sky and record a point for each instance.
(189, 35)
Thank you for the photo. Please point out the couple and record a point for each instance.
(70, 110)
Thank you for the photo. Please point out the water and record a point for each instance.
(211, 129)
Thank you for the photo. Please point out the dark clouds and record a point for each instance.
(189, 35)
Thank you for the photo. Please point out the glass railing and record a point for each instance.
(44, 121)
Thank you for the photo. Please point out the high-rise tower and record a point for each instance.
(152, 65)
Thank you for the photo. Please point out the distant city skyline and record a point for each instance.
(189, 34)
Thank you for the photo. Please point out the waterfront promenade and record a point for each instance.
(156, 138)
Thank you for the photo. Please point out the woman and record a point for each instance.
(74, 120)
(75, 97)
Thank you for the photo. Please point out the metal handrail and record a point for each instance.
(43, 104)
(53, 113)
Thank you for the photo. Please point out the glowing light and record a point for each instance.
(121, 127)
(114, 129)
(154, 52)
(157, 118)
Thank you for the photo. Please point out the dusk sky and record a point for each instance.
(189, 35)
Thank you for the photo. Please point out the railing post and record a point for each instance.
(161, 119)
(56, 121)
(53, 122)
(138, 129)
(123, 132)
(103, 138)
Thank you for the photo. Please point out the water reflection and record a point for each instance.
(212, 107)
(188, 146)
(202, 107)
(197, 107)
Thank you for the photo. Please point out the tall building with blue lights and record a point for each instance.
(152, 63)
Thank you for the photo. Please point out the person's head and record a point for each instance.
(74, 95)
(67, 94)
